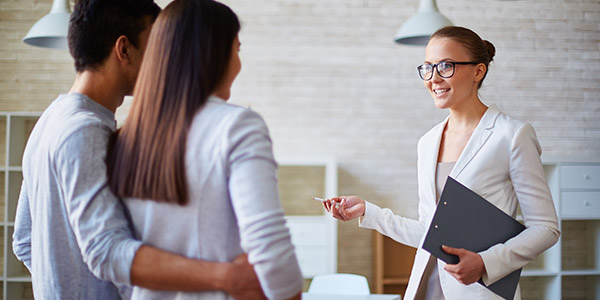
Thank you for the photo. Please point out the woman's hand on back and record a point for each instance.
(345, 208)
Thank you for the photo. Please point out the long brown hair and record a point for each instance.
(481, 51)
(186, 59)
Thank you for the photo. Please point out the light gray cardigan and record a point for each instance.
(233, 205)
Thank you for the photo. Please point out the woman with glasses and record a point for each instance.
(198, 174)
(493, 154)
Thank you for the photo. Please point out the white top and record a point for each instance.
(233, 204)
(430, 287)
(443, 170)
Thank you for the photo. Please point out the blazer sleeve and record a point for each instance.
(403, 230)
(539, 214)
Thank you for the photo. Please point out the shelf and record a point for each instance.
(571, 268)
(3, 144)
(581, 273)
(19, 279)
(392, 264)
(537, 273)
(538, 288)
(2, 196)
(401, 280)
(580, 245)
(2, 247)
(575, 187)
(580, 287)
(19, 290)
(15, 128)
(14, 188)
(19, 128)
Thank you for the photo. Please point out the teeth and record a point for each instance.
(440, 91)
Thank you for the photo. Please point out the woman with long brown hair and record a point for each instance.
(197, 173)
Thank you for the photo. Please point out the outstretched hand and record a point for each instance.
(345, 208)
(470, 267)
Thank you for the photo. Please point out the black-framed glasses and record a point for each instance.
(444, 68)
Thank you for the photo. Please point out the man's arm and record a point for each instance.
(189, 275)
(105, 236)
(22, 234)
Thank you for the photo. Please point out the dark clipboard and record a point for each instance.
(464, 219)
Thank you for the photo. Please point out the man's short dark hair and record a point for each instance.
(95, 26)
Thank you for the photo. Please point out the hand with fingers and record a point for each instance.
(470, 267)
(345, 208)
(242, 280)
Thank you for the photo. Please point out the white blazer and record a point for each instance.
(501, 162)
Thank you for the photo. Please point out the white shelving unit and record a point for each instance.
(15, 128)
(571, 268)
(314, 233)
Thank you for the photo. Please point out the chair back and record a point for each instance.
(339, 284)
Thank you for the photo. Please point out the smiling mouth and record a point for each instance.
(440, 91)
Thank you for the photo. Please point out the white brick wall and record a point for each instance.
(329, 81)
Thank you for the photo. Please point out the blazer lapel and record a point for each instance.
(480, 135)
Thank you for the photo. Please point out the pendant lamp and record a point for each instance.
(51, 30)
(418, 29)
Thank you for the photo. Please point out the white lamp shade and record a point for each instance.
(418, 29)
(51, 30)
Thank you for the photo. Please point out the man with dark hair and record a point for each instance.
(75, 247)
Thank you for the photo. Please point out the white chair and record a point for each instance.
(339, 284)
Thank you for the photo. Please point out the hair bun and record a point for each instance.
(491, 50)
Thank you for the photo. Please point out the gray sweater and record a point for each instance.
(233, 204)
(59, 230)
